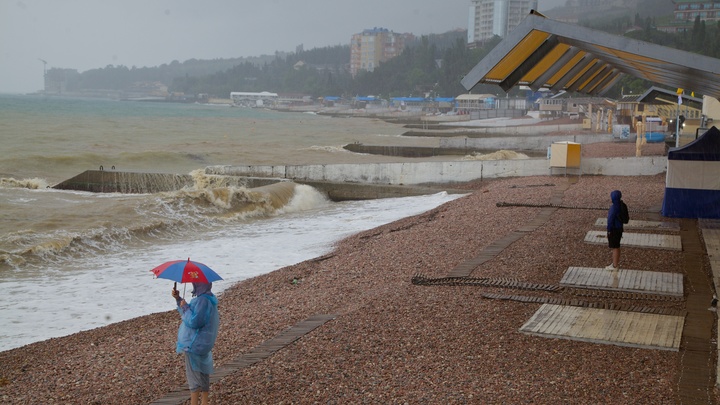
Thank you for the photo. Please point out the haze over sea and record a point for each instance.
(72, 261)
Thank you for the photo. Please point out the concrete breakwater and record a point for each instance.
(99, 181)
(420, 151)
(461, 145)
(474, 131)
(527, 142)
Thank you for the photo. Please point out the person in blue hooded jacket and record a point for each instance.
(614, 229)
(196, 337)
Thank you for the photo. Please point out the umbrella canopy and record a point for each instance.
(186, 271)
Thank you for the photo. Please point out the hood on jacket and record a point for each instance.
(615, 196)
(201, 288)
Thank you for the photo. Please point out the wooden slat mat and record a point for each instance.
(648, 240)
(654, 282)
(638, 224)
(606, 326)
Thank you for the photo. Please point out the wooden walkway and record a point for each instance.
(710, 229)
(711, 235)
(645, 240)
(621, 328)
(466, 268)
(624, 280)
(180, 395)
(697, 355)
(638, 224)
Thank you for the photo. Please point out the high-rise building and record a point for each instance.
(488, 18)
(373, 46)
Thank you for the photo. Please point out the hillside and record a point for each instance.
(592, 12)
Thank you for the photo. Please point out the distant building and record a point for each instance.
(496, 17)
(687, 10)
(56, 80)
(373, 46)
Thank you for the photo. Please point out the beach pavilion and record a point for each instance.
(544, 53)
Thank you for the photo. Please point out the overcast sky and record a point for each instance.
(90, 34)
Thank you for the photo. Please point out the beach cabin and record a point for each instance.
(692, 184)
(369, 102)
(412, 103)
(473, 103)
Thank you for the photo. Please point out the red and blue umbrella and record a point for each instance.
(186, 271)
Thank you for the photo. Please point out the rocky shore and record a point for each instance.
(392, 341)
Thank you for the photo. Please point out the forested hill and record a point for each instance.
(432, 65)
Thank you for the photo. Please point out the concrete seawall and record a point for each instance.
(361, 181)
(433, 173)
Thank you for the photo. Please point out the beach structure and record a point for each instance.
(544, 53)
(685, 13)
(692, 185)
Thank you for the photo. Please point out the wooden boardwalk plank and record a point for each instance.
(624, 280)
(647, 240)
(606, 326)
(638, 224)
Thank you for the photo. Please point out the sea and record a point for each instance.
(72, 261)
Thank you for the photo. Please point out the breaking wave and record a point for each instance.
(116, 221)
(32, 184)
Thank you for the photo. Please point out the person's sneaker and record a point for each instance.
(610, 267)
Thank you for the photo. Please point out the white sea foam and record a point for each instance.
(24, 183)
(331, 149)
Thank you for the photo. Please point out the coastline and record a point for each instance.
(391, 340)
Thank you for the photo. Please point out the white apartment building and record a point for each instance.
(488, 18)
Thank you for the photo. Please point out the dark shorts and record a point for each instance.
(614, 237)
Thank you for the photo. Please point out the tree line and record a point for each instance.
(432, 65)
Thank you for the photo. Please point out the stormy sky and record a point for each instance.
(90, 34)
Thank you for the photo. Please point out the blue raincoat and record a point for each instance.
(613, 219)
(199, 328)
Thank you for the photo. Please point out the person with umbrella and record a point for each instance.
(199, 324)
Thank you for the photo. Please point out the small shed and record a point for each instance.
(565, 155)
(692, 184)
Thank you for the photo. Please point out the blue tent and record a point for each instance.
(692, 184)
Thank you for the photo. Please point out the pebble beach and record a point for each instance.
(392, 341)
